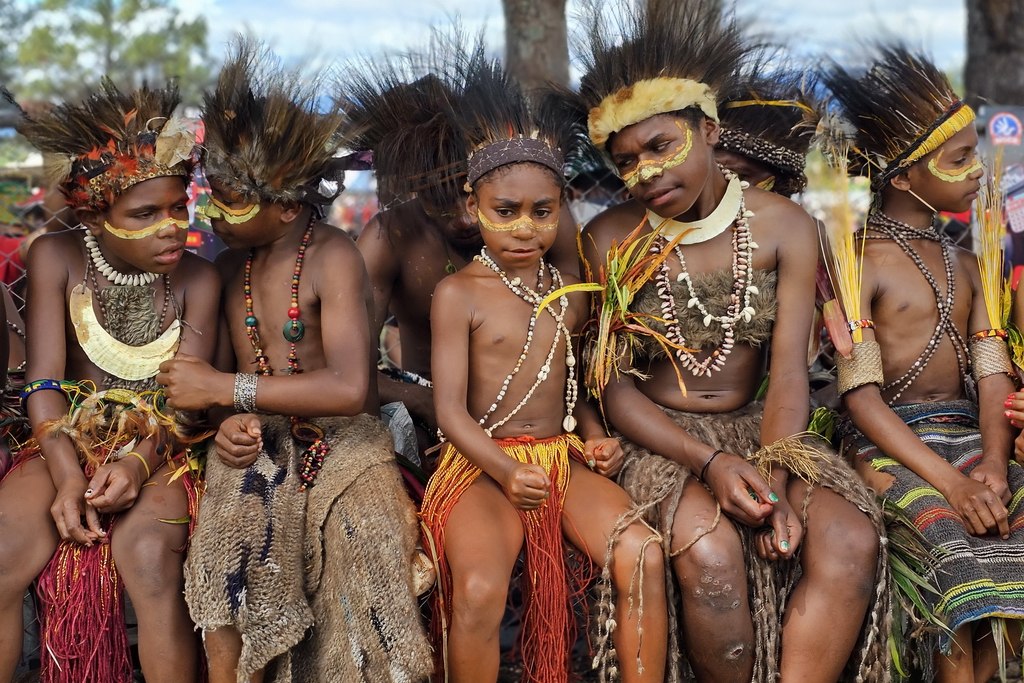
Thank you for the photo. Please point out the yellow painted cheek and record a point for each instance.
(653, 168)
(524, 222)
(216, 210)
(149, 231)
(933, 168)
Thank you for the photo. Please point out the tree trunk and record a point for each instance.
(995, 52)
(536, 43)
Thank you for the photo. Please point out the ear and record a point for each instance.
(472, 206)
(902, 181)
(711, 131)
(91, 219)
(290, 211)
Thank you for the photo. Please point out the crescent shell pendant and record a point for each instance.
(112, 356)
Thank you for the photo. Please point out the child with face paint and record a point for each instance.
(300, 568)
(739, 494)
(527, 463)
(105, 487)
(926, 388)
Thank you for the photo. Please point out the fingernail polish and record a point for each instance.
(1007, 413)
(773, 498)
(1008, 403)
(785, 546)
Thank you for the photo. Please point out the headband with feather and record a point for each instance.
(768, 117)
(903, 108)
(96, 150)
(399, 108)
(496, 118)
(269, 135)
(646, 58)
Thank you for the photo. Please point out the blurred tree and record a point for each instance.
(536, 42)
(995, 51)
(70, 44)
(13, 17)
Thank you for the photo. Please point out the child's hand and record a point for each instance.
(239, 440)
(1015, 409)
(191, 383)
(743, 493)
(994, 477)
(979, 507)
(528, 487)
(115, 486)
(69, 508)
(783, 535)
(604, 455)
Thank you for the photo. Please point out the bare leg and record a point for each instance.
(149, 557)
(28, 539)
(986, 656)
(826, 610)
(592, 505)
(223, 649)
(717, 627)
(958, 667)
(482, 541)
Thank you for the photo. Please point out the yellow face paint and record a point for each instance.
(143, 233)
(523, 222)
(767, 184)
(933, 168)
(218, 211)
(652, 168)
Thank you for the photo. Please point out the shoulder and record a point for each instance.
(611, 224)
(336, 246)
(196, 267)
(64, 245)
(780, 216)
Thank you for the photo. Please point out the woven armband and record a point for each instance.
(864, 366)
(40, 385)
(989, 356)
(245, 392)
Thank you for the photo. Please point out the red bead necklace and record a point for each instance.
(294, 330)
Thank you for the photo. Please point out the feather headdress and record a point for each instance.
(902, 106)
(765, 118)
(399, 108)
(655, 57)
(269, 135)
(498, 121)
(96, 150)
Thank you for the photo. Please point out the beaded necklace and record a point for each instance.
(899, 232)
(534, 297)
(739, 307)
(302, 431)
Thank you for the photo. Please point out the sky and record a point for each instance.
(319, 31)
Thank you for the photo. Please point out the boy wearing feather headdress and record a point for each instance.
(127, 296)
(301, 563)
(424, 232)
(925, 389)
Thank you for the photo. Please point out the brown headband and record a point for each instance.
(512, 151)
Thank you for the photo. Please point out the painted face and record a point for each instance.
(227, 206)
(151, 220)
(949, 178)
(644, 171)
(667, 181)
(217, 210)
(518, 210)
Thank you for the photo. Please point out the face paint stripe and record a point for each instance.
(933, 168)
(143, 233)
(652, 168)
(523, 222)
(216, 210)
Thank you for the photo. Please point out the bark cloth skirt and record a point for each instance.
(318, 582)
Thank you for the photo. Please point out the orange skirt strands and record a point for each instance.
(550, 584)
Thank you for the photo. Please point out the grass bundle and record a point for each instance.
(991, 230)
(611, 332)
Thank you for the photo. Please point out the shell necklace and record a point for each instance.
(711, 226)
(534, 298)
(107, 270)
(739, 307)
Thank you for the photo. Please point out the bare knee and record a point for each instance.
(637, 553)
(849, 554)
(21, 560)
(148, 563)
(712, 572)
(478, 602)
